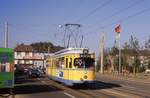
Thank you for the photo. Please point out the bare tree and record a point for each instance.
(147, 44)
(135, 50)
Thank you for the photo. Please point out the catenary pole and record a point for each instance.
(6, 34)
(102, 51)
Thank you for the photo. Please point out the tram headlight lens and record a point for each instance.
(85, 77)
(81, 79)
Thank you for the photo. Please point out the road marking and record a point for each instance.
(130, 87)
(43, 82)
(4, 95)
(134, 89)
(123, 94)
(69, 95)
(38, 78)
(55, 88)
(136, 80)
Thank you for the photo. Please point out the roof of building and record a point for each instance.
(24, 48)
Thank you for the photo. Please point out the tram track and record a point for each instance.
(111, 93)
(135, 92)
(96, 94)
(68, 89)
(101, 93)
(104, 91)
(130, 91)
(120, 91)
(83, 93)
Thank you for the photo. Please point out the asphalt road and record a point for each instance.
(34, 88)
(103, 87)
(140, 89)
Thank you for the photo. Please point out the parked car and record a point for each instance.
(26, 70)
(147, 71)
(34, 73)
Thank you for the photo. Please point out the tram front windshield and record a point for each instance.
(84, 62)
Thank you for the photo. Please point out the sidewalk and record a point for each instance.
(144, 78)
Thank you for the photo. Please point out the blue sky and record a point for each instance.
(39, 20)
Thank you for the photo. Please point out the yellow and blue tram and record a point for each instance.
(72, 66)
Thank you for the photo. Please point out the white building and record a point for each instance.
(39, 60)
(23, 55)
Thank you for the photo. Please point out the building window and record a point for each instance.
(18, 62)
(18, 53)
(27, 53)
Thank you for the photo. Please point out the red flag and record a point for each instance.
(117, 29)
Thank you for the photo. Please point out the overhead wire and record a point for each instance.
(112, 15)
(118, 12)
(93, 11)
(121, 20)
(128, 17)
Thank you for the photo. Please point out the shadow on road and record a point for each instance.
(96, 85)
(30, 89)
(35, 88)
(26, 85)
(24, 80)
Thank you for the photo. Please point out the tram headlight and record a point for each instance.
(85, 77)
(81, 79)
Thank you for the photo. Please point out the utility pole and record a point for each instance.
(118, 31)
(102, 51)
(119, 54)
(6, 35)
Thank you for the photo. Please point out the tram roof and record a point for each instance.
(70, 50)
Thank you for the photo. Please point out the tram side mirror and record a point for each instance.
(85, 51)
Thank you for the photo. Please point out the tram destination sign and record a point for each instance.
(85, 55)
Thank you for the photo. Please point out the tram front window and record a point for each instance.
(84, 62)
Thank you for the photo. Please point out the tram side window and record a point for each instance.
(61, 62)
(5, 65)
(66, 62)
(70, 63)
